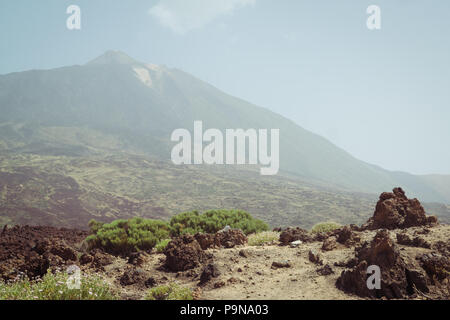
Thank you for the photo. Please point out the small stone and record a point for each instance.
(329, 244)
(315, 257)
(150, 282)
(325, 271)
(132, 276)
(295, 244)
(86, 258)
(136, 259)
(244, 253)
(281, 264)
(209, 272)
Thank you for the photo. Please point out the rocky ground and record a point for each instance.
(411, 249)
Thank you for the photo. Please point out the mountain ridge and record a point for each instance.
(138, 105)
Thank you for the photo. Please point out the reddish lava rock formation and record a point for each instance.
(187, 252)
(226, 239)
(210, 271)
(395, 211)
(329, 244)
(184, 253)
(293, 234)
(400, 277)
(33, 250)
(344, 235)
(383, 253)
(230, 238)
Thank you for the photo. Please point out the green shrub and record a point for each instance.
(259, 239)
(94, 226)
(325, 227)
(215, 220)
(161, 245)
(122, 237)
(169, 292)
(54, 287)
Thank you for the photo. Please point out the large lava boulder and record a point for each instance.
(184, 253)
(227, 238)
(293, 234)
(230, 238)
(381, 252)
(436, 265)
(395, 211)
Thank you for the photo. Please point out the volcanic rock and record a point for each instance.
(325, 270)
(205, 240)
(101, 259)
(293, 234)
(150, 282)
(133, 276)
(436, 266)
(404, 239)
(383, 253)
(395, 211)
(35, 265)
(329, 244)
(86, 259)
(64, 252)
(136, 259)
(209, 272)
(442, 247)
(34, 250)
(417, 279)
(227, 238)
(281, 264)
(350, 263)
(230, 238)
(184, 253)
(244, 253)
(346, 236)
(322, 236)
(315, 257)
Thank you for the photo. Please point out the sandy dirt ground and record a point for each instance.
(246, 272)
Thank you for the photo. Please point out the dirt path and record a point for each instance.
(258, 280)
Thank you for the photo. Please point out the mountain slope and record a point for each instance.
(120, 104)
(69, 191)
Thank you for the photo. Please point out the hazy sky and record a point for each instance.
(384, 96)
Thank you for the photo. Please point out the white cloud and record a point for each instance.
(182, 16)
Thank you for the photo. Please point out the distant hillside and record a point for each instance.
(69, 191)
(117, 104)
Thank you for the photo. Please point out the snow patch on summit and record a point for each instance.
(144, 76)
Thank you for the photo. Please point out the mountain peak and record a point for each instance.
(114, 57)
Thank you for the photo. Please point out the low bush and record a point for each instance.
(160, 246)
(261, 238)
(94, 226)
(169, 292)
(325, 227)
(215, 220)
(54, 287)
(122, 237)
